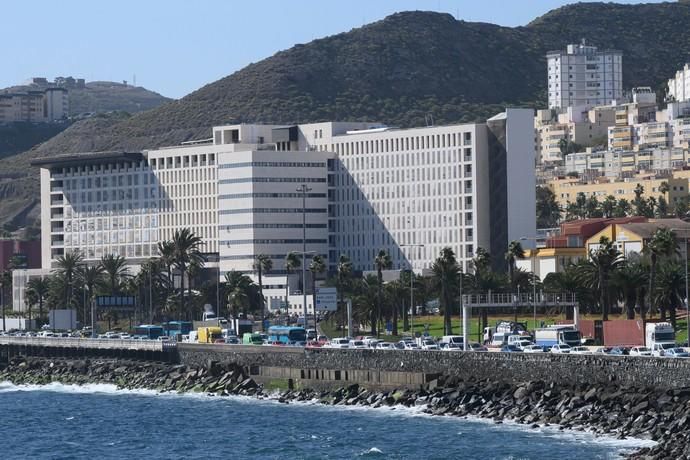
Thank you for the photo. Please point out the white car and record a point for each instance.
(452, 347)
(523, 343)
(340, 342)
(580, 351)
(411, 345)
(429, 344)
(533, 349)
(357, 344)
(385, 346)
(640, 351)
(561, 348)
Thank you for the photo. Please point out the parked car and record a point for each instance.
(580, 351)
(475, 346)
(640, 351)
(533, 349)
(451, 346)
(618, 351)
(385, 346)
(410, 345)
(561, 348)
(676, 353)
(510, 349)
(523, 343)
(601, 351)
(357, 344)
(429, 344)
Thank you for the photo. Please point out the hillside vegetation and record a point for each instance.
(400, 69)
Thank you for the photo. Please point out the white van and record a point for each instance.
(499, 339)
(453, 341)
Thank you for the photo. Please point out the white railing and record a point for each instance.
(522, 299)
(69, 342)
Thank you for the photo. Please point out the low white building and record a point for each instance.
(679, 86)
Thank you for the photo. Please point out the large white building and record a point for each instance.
(583, 76)
(369, 187)
(679, 86)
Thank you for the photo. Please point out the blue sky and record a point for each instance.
(176, 46)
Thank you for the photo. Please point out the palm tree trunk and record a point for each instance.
(603, 298)
(287, 293)
(672, 314)
(261, 294)
(395, 319)
(40, 311)
(652, 273)
(182, 305)
(630, 307)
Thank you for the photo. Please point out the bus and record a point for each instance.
(286, 334)
(175, 328)
(252, 338)
(149, 331)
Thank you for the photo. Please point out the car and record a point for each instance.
(676, 353)
(561, 348)
(475, 346)
(311, 334)
(385, 346)
(580, 351)
(533, 349)
(451, 346)
(410, 345)
(601, 351)
(125, 336)
(640, 351)
(618, 351)
(428, 344)
(511, 349)
(322, 339)
(339, 342)
(232, 341)
(523, 343)
(358, 344)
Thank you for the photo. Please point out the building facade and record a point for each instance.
(679, 86)
(581, 75)
(369, 187)
(34, 106)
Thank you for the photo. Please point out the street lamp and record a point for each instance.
(534, 273)
(412, 307)
(685, 247)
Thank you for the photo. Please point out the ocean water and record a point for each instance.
(99, 422)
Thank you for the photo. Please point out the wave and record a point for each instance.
(552, 431)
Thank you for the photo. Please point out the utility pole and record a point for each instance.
(303, 189)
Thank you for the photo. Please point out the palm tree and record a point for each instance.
(262, 264)
(514, 253)
(604, 260)
(670, 289)
(292, 263)
(186, 252)
(629, 281)
(242, 292)
(447, 275)
(316, 267)
(90, 278)
(381, 262)
(662, 244)
(39, 287)
(115, 269)
(396, 292)
(166, 251)
(67, 266)
(344, 272)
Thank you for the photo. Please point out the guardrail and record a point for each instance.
(109, 344)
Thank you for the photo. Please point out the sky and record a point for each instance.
(174, 47)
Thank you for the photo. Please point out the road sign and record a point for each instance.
(326, 299)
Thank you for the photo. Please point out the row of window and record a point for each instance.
(241, 180)
(256, 225)
(274, 164)
(235, 196)
(395, 145)
(273, 211)
(273, 241)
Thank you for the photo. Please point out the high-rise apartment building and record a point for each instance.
(679, 86)
(349, 188)
(581, 75)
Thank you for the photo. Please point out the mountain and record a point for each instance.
(398, 70)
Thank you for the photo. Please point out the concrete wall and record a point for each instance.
(423, 366)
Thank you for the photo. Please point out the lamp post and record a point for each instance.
(534, 273)
(685, 247)
(412, 307)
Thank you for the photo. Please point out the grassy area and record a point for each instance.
(434, 325)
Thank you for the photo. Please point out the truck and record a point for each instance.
(209, 334)
(659, 337)
(505, 328)
(252, 338)
(557, 335)
(211, 322)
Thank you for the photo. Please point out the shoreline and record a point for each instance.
(622, 413)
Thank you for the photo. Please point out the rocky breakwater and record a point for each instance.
(218, 379)
(612, 409)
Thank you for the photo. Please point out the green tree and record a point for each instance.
(292, 263)
(592, 207)
(446, 273)
(344, 274)
(67, 267)
(186, 252)
(622, 209)
(90, 277)
(548, 210)
(680, 208)
(166, 254)
(317, 266)
(608, 206)
(39, 287)
(629, 281)
(670, 289)
(597, 272)
(114, 270)
(514, 253)
(382, 262)
(262, 264)
(662, 244)
(242, 293)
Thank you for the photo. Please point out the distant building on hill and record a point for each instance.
(34, 106)
(679, 86)
(583, 76)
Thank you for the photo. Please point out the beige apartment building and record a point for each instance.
(566, 189)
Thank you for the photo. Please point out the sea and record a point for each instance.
(98, 421)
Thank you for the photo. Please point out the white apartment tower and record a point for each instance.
(582, 76)
(679, 86)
